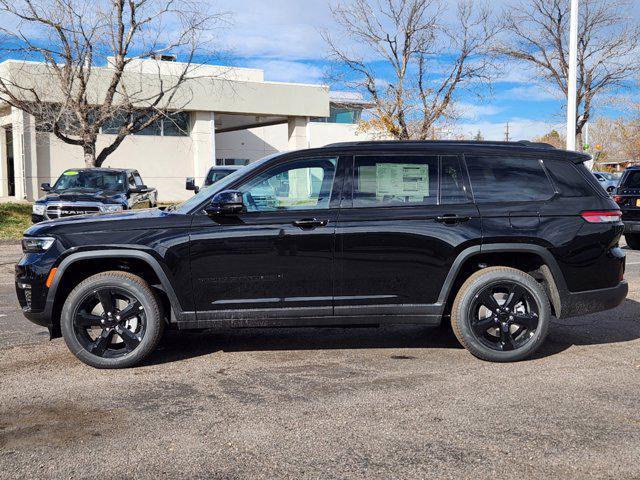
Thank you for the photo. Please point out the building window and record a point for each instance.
(232, 161)
(173, 125)
(340, 115)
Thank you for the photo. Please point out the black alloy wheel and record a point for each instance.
(110, 322)
(504, 316)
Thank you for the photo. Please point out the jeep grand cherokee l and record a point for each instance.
(495, 238)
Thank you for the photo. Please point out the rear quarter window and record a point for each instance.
(508, 179)
(572, 180)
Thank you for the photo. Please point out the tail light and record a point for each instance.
(617, 198)
(605, 216)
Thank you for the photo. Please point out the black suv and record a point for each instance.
(627, 196)
(493, 237)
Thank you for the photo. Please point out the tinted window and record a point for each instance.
(508, 179)
(568, 179)
(631, 180)
(395, 180)
(298, 185)
(176, 125)
(452, 187)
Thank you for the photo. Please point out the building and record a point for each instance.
(232, 116)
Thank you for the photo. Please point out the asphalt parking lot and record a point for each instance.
(324, 403)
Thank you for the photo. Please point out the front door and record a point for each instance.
(275, 259)
(408, 217)
(11, 175)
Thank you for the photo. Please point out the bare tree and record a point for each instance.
(96, 67)
(608, 40)
(430, 58)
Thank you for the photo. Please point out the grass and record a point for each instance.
(15, 218)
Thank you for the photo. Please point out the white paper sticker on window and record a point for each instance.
(409, 181)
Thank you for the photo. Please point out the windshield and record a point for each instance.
(90, 180)
(219, 186)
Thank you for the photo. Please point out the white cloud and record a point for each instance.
(288, 71)
(470, 111)
(533, 93)
(519, 129)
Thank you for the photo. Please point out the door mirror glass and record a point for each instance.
(45, 187)
(139, 189)
(228, 202)
(191, 185)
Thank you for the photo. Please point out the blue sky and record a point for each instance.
(283, 38)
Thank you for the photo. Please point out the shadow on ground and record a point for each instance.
(615, 326)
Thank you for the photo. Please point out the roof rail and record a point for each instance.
(520, 143)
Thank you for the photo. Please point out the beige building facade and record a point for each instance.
(233, 116)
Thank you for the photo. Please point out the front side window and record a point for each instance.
(395, 180)
(508, 179)
(298, 185)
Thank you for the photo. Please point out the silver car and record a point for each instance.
(607, 180)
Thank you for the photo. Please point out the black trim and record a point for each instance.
(592, 301)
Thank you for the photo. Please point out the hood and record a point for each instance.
(81, 195)
(146, 219)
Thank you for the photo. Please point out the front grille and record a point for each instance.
(57, 211)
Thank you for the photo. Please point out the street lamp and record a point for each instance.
(573, 77)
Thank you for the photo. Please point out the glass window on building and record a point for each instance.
(340, 115)
(176, 125)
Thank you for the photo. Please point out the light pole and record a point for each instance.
(573, 77)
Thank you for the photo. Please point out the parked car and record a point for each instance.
(608, 181)
(85, 191)
(213, 175)
(495, 238)
(627, 196)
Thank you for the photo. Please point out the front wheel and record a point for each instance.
(112, 320)
(501, 314)
(633, 240)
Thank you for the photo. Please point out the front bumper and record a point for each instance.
(592, 301)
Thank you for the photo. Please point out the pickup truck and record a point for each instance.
(85, 191)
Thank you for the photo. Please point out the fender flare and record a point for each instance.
(466, 254)
(114, 253)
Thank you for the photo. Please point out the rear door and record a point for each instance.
(403, 222)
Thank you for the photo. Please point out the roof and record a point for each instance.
(99, 169)
(462, 146)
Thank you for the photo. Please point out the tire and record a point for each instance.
(510, 327)
(633, 240)
(122, 339)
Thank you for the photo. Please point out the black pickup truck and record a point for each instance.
(85, 191)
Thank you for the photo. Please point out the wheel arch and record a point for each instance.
(533, 259)
(91, 262)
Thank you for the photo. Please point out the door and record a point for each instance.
(407, 219)
(11, 176)
(275, 259)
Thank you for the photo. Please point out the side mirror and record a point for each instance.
(45, 187)
(139, 189)
(191, 185)
(228, 202)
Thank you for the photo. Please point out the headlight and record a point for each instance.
(111, 208)
(37, 244)
(38, 209)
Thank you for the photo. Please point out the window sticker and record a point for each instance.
(70, 173)
(407, 180)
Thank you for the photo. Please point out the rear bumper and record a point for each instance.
(631, 226)
(592, 301)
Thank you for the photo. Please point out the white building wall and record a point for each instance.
(256, 143)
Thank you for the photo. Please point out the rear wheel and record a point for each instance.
(501, 314)
(633, 240)
(112, 320)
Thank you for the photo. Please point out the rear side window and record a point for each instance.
(631, 179)
(508, 179)
(395, 180)
(570, 180)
